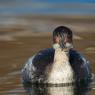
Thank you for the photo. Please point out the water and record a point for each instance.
(13, 55)
(58, 90)
(52, 90)
(83, 7)
(18, 44)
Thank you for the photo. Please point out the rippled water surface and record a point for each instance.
(13, 55)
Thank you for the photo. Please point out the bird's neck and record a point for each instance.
(60, 56)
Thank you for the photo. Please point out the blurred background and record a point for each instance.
(26, 27)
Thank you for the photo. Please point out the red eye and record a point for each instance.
(56, 39)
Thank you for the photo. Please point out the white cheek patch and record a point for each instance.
(69, 45)
(55, 46)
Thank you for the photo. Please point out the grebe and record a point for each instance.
(49, 69)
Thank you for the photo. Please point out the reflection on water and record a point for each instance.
(57, 90)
